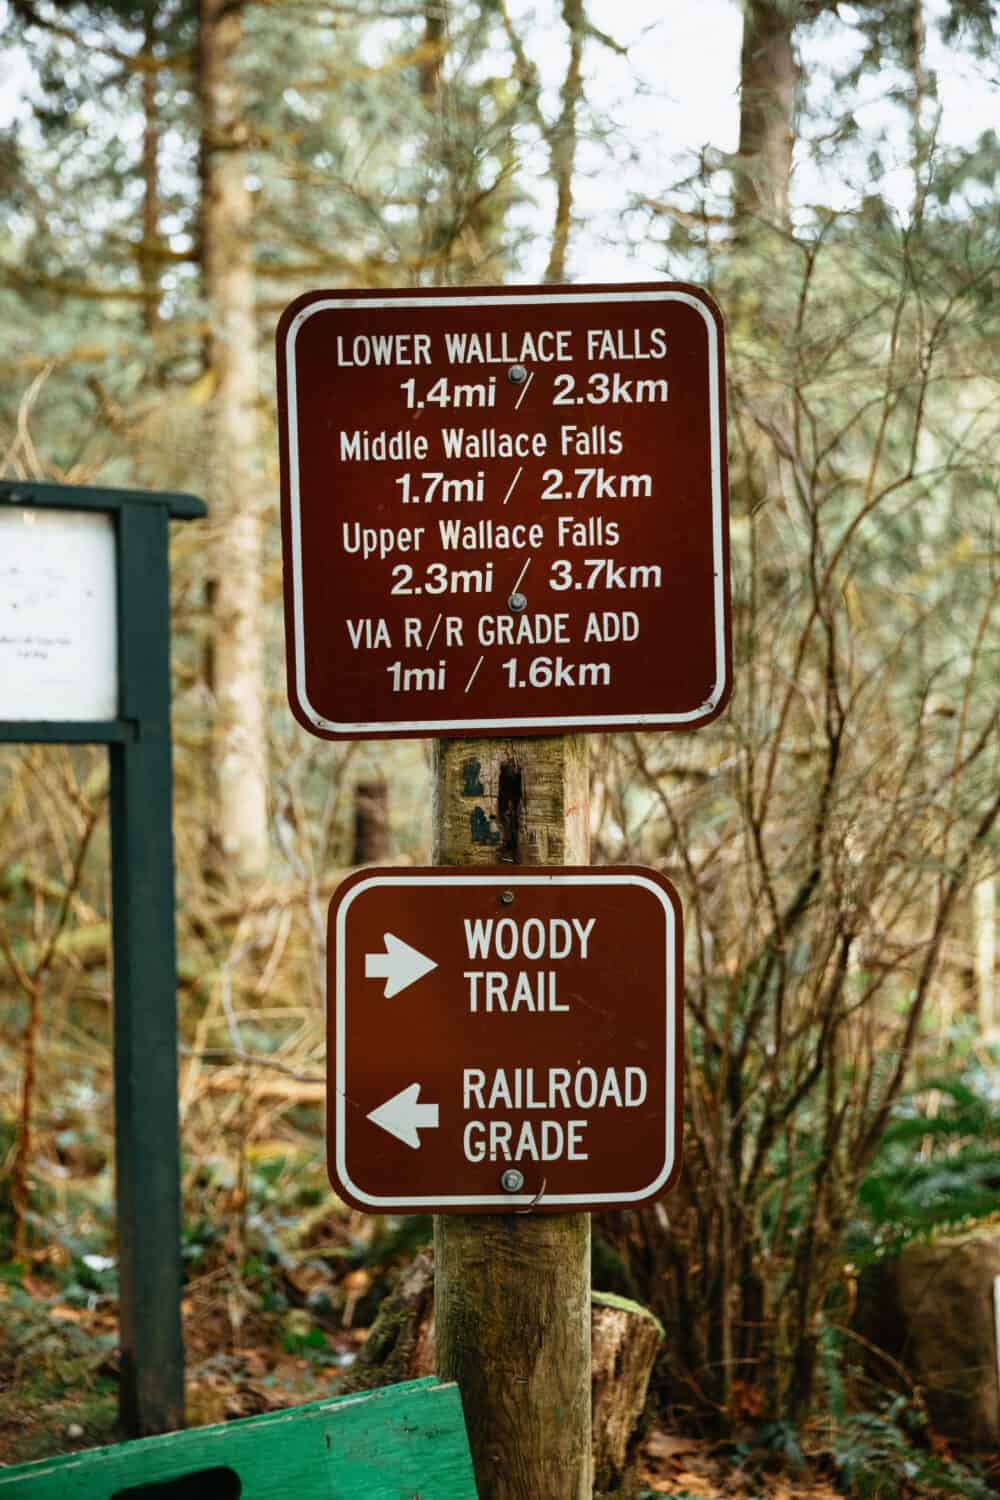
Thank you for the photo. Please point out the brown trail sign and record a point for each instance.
(504, 514)
(503, 1039)
(504, 511)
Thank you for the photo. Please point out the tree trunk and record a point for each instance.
(512, 1291)
(768, 82)
(562, 148)
(984, 948)
(371, 822)
(149, 264)
(921, 138)
(434, 231)
(235, 486)
(433, 52)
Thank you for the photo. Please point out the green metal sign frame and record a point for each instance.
(399, 1441)
(147, 1157)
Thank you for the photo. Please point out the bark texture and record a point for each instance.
(625, 1339)
(769, 78)
(512, 1292)
(400, 1344)
(235, 486)
(512, 1322)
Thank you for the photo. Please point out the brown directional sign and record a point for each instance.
(504, 510)
(501, 1039)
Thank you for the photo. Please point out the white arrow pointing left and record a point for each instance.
(403, 1115)
(399, 965)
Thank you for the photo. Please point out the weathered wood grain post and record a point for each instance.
(512, 1291)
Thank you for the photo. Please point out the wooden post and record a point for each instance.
(512, 1291)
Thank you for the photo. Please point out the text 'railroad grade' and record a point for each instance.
(541, 1138)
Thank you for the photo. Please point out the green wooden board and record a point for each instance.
(404, 1442)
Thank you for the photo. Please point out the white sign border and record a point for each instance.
(415, 1202)
(421, 727)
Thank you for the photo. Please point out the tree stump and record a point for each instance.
(400, 1343)
(625, 1339)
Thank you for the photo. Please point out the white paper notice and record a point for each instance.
(58, 615)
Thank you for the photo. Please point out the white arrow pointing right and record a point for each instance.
(399, 965)
(403, 1115)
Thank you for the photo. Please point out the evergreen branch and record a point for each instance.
(28, 12)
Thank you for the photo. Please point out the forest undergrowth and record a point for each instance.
(181, 172)
(282, 1282)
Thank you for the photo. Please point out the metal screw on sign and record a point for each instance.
(512, 1181)
(517, 374)
(506, 897)
(518, 603)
